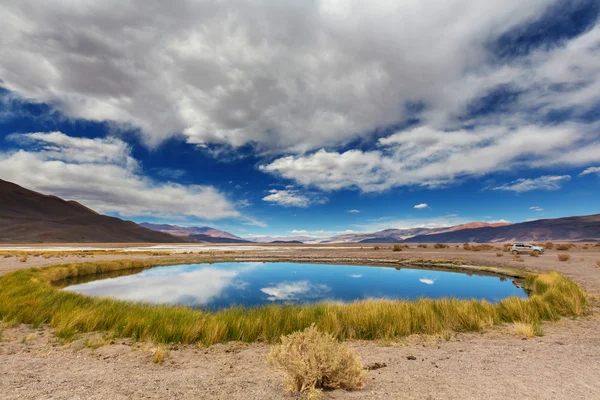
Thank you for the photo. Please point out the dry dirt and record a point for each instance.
(564, 363)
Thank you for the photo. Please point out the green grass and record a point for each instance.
(27, 296)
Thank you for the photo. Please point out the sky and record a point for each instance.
(312, 117)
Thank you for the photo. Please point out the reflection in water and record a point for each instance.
(216, 286)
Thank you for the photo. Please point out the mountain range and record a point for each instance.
(29, 217)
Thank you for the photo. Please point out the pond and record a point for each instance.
(222, 285)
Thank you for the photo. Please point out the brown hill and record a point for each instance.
(191, 230)
(585, 228)
(29, 217)
(473, 225)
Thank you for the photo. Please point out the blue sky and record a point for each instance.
(305, 117)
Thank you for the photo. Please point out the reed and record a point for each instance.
(27, 296)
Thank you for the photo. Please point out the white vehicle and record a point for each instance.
(526, 248)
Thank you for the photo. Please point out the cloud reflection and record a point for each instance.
(294, 291)
(427, 281)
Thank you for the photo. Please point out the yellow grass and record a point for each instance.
(27, 296)
(527, 330)
(314, 360)
(160, 355)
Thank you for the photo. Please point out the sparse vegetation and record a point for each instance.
(528, 329)
(564, 247)
(160, 355)
(27, 296)
(75, 253)
(440, 246)
(549, 246)
(422, 246)
(534, 254)
(314, 360)
(499, 255)
(482, 247)
(376, 247)
(466, 246)
(564, 257)
(397, 247)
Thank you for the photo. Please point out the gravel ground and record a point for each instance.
(564, 363)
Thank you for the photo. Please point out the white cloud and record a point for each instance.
(295, 291)
(427, 281)
(547, 182)
(103, 175)
(432, 158)
(536, 208)
(390, 223)
(353, 211)
(289, 76)
(421, 206)
(356, 276)
(293, 198)
(591, 170)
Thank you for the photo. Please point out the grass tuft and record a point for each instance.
(564, 257)
(549, 246)
(397, 247)
(564, 247)
(440, 246)
(528, 329)
(315, 360)
(160, 355)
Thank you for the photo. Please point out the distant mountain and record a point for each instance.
(30, 217)
(190, 230)
(286, 242)
(271, 239)
(213, 239)
(559, 229)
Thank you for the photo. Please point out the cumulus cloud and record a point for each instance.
(421, 206)
(292, 198)
(431, 158)
(547, 182)
(103, 175)
(590, 170)
(427, 281)
(288, 76)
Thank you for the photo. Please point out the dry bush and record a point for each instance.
(564, 257)
(598, 264)
(518, 258)
(482, 247)
(160, 355)
(466, 246)
(440, 246)
(376, 247)
(528, 330)
(564, 246)
(499, 254)
(423, 246)
(397, 247)
(586, 246)
(549, 246)
(315, 360)
(597, 245)
(534, 254)
(23, 259)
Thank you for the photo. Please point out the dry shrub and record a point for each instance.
(598, 264)
(585, 247)
(549, 246)
(518, 258)
(564, 257)
(440, 246)
(534, 254)
(564, 247)
(314, 360)
(397, 247)
(160, 355)
(423, 246)
(597, 245)
(482, 247)
(528, 330)
(376, 247)
(23, 259)
(466, 246)
(499, 254)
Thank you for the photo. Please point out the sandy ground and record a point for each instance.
(564, 363)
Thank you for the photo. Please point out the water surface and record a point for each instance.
(221, 285)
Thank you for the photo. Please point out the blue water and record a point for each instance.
(217, 286)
